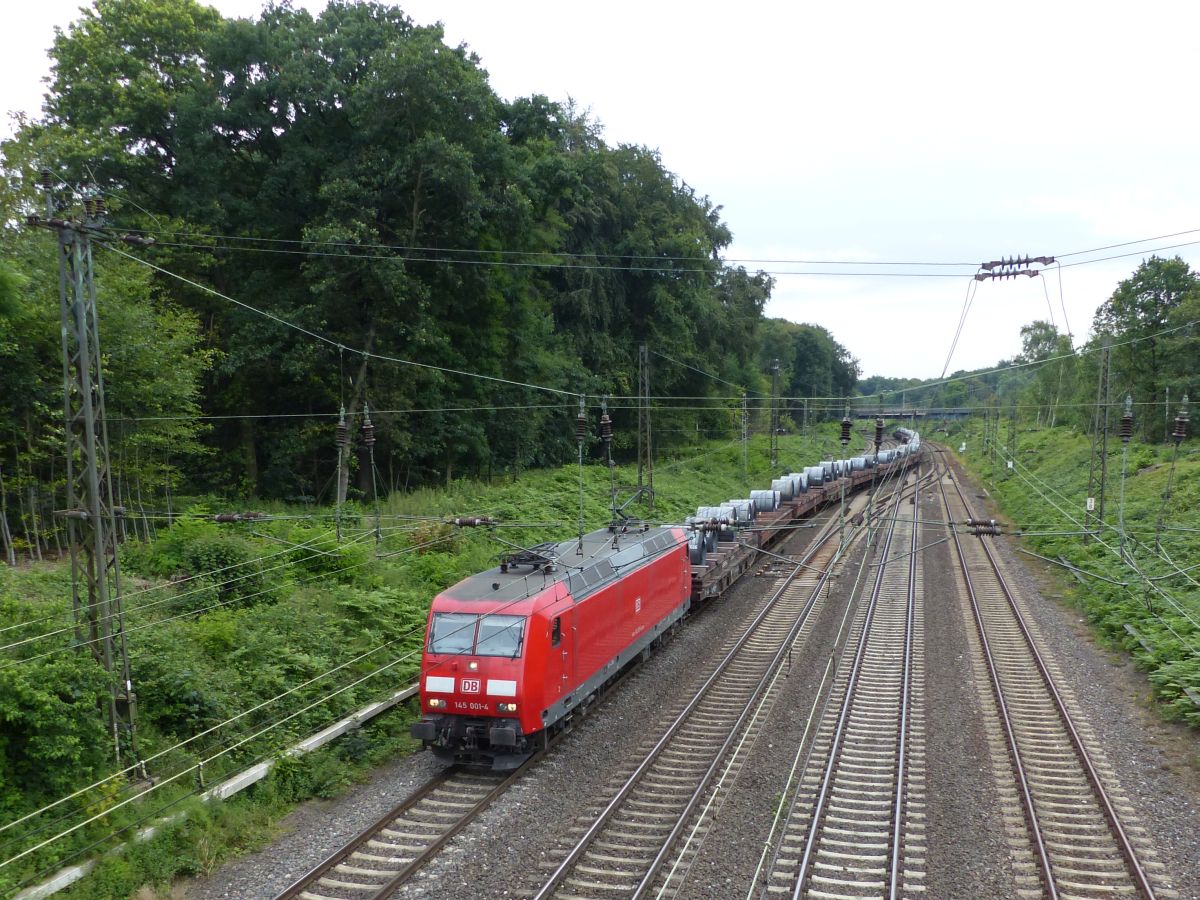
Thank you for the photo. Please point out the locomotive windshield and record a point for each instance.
(452, 633)
(466, 634)
(500, 635)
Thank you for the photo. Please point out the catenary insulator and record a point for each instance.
(47, 180)
(343, 432)
(606, 429)
(89, 208)
(878, 432)
(581, 428)
(846, 425)
(368, 431)
(100, 208)
(1181, 422)
(1126, 431)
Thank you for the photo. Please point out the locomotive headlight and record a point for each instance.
(436, 703)
(507, 707)
(473, 665)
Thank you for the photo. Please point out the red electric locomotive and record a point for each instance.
(512, 652)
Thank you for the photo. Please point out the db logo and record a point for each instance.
(637, 605)
(470, 685)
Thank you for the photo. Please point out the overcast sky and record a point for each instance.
(872, 132)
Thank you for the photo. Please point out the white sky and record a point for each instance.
(871, 131)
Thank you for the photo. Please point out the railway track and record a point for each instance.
(628, 847)
(388, 852)
(855, 827)
(1071, 832)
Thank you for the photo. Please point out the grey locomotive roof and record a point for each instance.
(599, 563)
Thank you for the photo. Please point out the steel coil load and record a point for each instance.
(765, 501)
(705, 528)
(858, 463)
(785, 486)
(731, 525)
(744, 509)
(827, 466)
(800, 479)
(697, 547)
(816, 475)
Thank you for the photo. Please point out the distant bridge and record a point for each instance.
(935, 412)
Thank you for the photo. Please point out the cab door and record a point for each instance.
(560, 657)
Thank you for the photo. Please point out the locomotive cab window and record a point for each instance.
(556, 632)
(500, 635)
(452, 633)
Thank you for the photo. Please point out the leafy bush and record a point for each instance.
(317, 552)
(214, 564)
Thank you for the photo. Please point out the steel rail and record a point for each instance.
(756, 694)
(1124, 845)
(341, 854)
(848, 702)
(906, 692)
(1031, 817)
(330, 863)
(831, 531)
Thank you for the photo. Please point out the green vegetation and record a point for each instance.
(1046, 492)
(247, 636)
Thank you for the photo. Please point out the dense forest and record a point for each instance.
(353, 176)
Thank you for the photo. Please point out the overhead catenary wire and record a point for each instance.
(471, 251)
(339, 345)
(558, 266)
(411, 248)
(669, 359)
(962, 319)
(1039, 362)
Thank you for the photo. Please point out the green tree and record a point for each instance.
(1053, 381)
(1141, 306)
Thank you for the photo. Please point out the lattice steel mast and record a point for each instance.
(90, 510)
